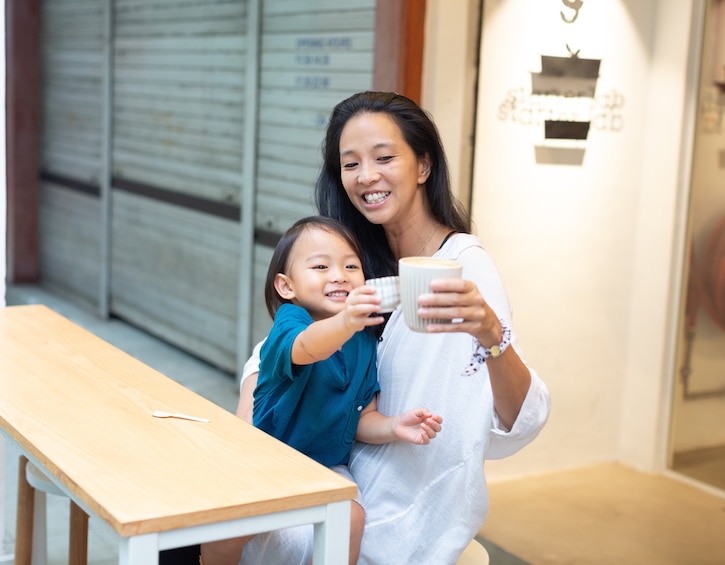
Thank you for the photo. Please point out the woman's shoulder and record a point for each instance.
(458, 243)
(468, 250)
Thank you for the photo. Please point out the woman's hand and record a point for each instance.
(460, 301)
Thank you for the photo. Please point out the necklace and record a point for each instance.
(427, 241)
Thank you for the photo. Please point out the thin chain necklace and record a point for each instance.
(436, 229)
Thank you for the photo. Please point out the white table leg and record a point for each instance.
(332, 539)
(139, 550)
(40, 531)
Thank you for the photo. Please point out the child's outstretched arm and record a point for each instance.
(322, 338)
(417, 426)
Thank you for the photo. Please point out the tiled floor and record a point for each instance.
(213, 384)
(607, 514)
(706, 465)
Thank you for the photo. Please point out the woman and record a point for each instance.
(385, 176)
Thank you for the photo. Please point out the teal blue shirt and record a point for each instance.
(314, 408)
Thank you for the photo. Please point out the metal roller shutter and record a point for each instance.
(313, 54)
(179, 139)
(73, 59)
(178, 129)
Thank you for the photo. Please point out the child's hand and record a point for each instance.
(417, 426)
(361, 303)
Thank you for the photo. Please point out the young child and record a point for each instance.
(317, 384)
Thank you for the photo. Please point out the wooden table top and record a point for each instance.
(83, 408)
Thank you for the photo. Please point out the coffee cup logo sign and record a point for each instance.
(563, 102)
(576, 6)
(603, 111)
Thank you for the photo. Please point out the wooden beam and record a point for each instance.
(22, 25)
(399, 41)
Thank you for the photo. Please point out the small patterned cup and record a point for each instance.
(388, 289)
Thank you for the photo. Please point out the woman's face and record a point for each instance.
(382, 176)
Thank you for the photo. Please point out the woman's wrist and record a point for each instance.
(497, 348)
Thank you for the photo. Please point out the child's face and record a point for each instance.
(322, 271)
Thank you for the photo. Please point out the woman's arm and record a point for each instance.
(460, 299)
(246, 398)
(248, 383)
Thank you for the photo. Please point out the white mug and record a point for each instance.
(415, 276)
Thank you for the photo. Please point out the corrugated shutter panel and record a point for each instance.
(174, 274)
(72, 61)
(314, 54)
(178, 105)
(176, 118)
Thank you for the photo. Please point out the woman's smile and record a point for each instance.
(376, 197)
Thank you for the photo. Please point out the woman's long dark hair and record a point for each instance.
(421, 134)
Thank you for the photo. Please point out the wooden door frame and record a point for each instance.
(399, 40)
(22, 113)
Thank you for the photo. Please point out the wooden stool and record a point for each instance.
(30, 531)
(474, 554)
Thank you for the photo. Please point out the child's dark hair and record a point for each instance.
(280, 258)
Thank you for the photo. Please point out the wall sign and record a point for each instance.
(562, 102)
(576, 5)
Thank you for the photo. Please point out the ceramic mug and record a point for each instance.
(416, 273)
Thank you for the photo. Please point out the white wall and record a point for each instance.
(587, 252)
(663, 184)
(449, 82)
